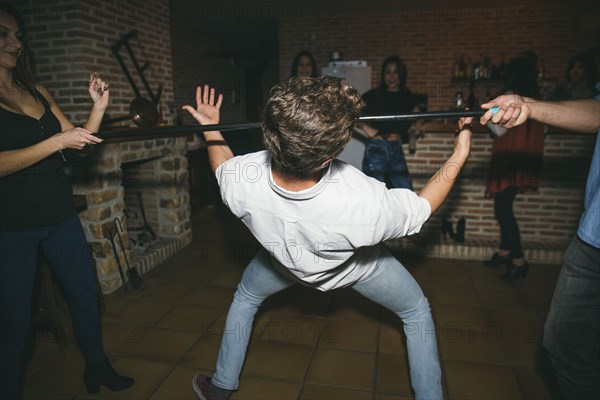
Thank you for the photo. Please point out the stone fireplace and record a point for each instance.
(119, 179)
(72, 38)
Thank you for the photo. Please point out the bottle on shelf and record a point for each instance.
(462, 67)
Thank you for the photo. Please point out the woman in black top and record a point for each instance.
(37, 213)
(384, 158)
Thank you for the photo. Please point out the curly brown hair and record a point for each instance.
(308, 121)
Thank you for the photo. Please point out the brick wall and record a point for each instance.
(428, 35)
(72, 38)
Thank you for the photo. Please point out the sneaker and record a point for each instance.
(201, 385)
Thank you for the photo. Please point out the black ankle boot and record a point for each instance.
(102, 373)
(515, 272)
(497, 259)
(447, 229)
(460, 230)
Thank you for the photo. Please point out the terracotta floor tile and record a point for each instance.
(39, 394)
(540, 298)
(459, 317)
(177, 386)
(509, 297)
(537, 384)
(209, 296)
(449, 273)
(114, 305)
(343, 369)
(311, 392)
(144, 311)
(306, 303)
(178, 317)
(391, 335)
(469, 345)
(350, 334)
(453, 295)
(190, 318)
(43, 351)
(520, 335)
(170, 291)
(204, 353)
(64, 375)
(288, 362)
(165, 346)
(523, 348)
(226, 278)
(354, 308)
(194, 272)
(479, 381)
(392, 375)
(380, 396)
(540, 276)
(266, 389)
(489, 277)
(300, 330)
(120, 336)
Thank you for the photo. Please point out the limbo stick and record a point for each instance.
(173, 131)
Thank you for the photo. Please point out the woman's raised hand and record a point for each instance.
(98, 90)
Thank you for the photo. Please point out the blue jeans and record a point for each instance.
(572, 328)
(391, 285)
(386, 159)
(66, 251)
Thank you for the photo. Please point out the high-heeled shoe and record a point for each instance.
(447, 229)
(515, 272)
(497, 259)
(102, 373)
(460, 230)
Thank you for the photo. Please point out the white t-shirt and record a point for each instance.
(329, 235)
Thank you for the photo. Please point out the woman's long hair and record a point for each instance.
(522, 75)
(22, 74)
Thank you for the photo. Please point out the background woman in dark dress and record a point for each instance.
(515, 167)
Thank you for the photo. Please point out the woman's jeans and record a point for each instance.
(385, 159)
(572, 329)
(391, 285)
(65, 249)
(510, 237)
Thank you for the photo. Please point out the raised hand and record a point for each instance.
(463, 139)
(206, 111)
(98, 90)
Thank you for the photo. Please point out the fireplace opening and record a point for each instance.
(144, 191)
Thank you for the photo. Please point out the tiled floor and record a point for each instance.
(307, 344)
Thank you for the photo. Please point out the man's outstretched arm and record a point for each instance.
(207, 113)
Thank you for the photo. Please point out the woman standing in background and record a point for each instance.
(515, 167)
(384, 156)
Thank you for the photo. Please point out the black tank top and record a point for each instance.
(39, 195)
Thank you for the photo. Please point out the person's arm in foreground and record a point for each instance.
(439, 186)
(207, 113)
(574, 115)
